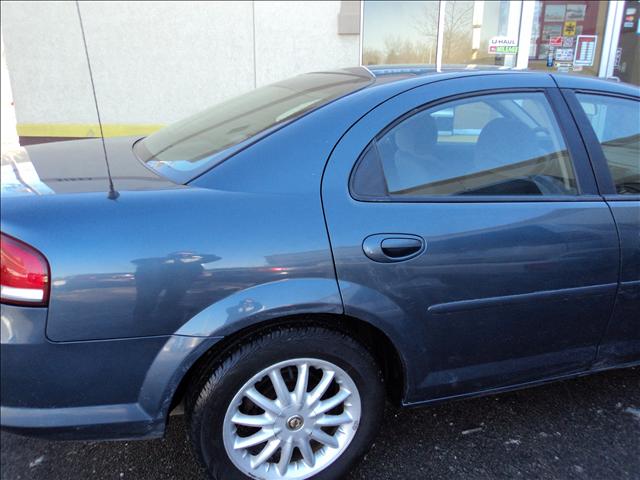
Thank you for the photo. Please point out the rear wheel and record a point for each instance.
(294, 403)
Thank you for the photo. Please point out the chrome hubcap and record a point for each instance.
(295, 422)
(291, 420)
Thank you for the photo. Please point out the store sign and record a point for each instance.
(503, 46)
(569, 29)
(629, 18)
(564, 54)
(585, 50)
(555, 41)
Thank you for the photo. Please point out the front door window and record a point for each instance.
(616, 123)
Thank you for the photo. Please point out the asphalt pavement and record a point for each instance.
(587, 428)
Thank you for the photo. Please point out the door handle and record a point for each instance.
(392, 247)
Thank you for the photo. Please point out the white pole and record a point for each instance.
(441, 17)
(524, 37)
(361, 28)
(610, 38)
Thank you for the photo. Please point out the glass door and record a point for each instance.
(567, 36)
(627, 65)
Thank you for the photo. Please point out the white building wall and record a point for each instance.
(296, 37)
(47, 67)
(7, 111)
(157, 62)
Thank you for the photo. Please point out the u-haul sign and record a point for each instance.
(503, 46)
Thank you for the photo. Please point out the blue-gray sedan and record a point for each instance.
(281, 264)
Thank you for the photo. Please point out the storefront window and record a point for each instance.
(567, 36)
(627, 65)
(399, 33)
(584, 37)
(474, 32)
(480, 33)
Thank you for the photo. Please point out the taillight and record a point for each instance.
(24, 274)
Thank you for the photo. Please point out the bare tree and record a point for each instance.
(398, 51)
(457, 37)
(458, 27)
(372, 56)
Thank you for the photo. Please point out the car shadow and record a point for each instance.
(587, 428)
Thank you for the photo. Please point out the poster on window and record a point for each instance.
(503, 45)
(585, 50)
(555, 41)
(564, 54)
(569, 29)
(576, 12)
(554, 12)
(551, 31)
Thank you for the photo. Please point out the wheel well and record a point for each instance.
(376, 342)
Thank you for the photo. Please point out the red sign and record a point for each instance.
(555, 41)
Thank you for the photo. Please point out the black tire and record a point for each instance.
(208, 398)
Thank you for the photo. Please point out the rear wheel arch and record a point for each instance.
(379, 345)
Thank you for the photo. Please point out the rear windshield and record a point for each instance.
(185, 149)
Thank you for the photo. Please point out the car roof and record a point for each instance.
(429, 69)
(580, 82)
(385, 74)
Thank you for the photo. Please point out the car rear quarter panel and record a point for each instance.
(147, 262)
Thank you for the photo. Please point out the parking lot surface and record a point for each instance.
(588, 428)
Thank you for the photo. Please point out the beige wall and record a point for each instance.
(156, 62)
(7, 111)
(294, 37)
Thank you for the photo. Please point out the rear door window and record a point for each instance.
(496, 144)
(616, 123)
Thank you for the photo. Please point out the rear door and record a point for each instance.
(610, 124)
(465, 222)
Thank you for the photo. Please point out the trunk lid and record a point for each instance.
(76, 166)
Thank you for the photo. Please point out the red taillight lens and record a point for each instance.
(24, 274)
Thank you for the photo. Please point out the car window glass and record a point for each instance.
(616, 122)
(463, 122)
(191, 146)
(499, 144)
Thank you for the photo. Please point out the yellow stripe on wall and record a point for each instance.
(84, 129)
